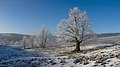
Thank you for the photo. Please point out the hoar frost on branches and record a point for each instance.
(75, 29)
(43, 38)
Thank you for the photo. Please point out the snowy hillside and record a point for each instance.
(12, 36)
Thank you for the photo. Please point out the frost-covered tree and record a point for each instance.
(31, 41)
(75, 29)
(2, 42)
(23, 41)
(17, 43)
(43, 38)
(5, 42)
(12, 42)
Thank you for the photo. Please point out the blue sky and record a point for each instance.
(27, 16)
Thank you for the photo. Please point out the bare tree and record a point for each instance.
(24, 41)
(17, 43)
(75, 29)
(11, 43)
(30, 42)
(43, 38)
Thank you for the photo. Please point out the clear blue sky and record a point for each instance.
(27, 16)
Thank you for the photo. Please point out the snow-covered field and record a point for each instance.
(106, 56)
(15, 56)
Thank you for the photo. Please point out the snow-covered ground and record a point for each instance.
(15, 56)
(101, 55)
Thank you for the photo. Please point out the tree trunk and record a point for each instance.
(77, 49)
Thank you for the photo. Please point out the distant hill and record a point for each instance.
(110, 38)
(107, 34)
(11, 36)
(103, 38)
